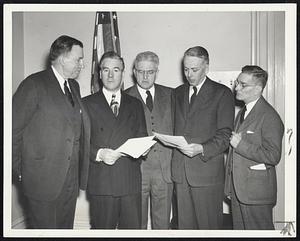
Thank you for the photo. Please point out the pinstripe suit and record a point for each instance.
(123, 179)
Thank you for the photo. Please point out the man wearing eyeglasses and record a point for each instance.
(204, 115)
(255, 150)
(156, 174)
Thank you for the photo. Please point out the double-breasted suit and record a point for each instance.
(48, 134)
(209, 122)
(156, 168)
(123, 178)
(261, 143)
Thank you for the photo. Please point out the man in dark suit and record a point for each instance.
(255, 151)
(50, 126)
(156, 168)
(204, 115)
(114, 184)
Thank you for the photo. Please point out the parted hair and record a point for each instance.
(197, 51)
(61, 45)
(260, 75)
(111, 55)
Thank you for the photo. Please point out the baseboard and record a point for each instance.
(19, 223)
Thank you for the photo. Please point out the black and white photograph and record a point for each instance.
(149, 120)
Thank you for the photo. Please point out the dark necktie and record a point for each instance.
(149, 101)
(68, 93)
(242, 117)
(193, 97)
(114, 105)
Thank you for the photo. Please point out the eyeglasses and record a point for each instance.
(147, 72)
(243, 85)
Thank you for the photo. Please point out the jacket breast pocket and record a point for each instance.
(259, 185)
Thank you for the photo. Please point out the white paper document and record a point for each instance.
(135, 147)
(172, 141)
(261, 166)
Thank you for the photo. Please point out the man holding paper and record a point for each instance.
(156, 168)
(255, 151)
(204, 115)
(114, 184)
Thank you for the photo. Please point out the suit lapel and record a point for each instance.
(183, 100)
(57, 95)
(203, 96)
(252, 116)
(123, 115)
(159, 101)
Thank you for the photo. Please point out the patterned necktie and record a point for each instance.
(242, 117)
(193, 97)
(114, 105)
(68, 93)
(149, 101)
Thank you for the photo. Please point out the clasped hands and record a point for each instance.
(235, 139)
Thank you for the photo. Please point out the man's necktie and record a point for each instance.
(149, 101)
(242, 117)
(68, 93)
(114, 105)
(193, 97)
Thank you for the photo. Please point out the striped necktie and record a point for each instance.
(114, 105)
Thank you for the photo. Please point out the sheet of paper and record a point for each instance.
(261, 166)
(135, 147)
(172, 141)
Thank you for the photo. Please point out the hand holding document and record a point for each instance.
(172, 141)
(135, 147)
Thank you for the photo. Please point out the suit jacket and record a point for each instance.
(262, 132)
(43, 135)
(160, 120)
(108, 131)
(209, 121)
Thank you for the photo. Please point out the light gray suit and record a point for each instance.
(156, 168)
(253, 192)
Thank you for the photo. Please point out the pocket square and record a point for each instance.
(259, 167)
(250, 132)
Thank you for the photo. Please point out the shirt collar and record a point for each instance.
(191, 91)
(144, 94)
(108, 95)
(250, 106)
(59, 78)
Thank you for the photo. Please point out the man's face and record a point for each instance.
(73, 62)
(195, 69)
(145, 73)
(111, 73)
(246, 88)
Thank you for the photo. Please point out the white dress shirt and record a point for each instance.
(108, 96)
(191, 92)
(249, 107)
(60, 79)
(144, 94)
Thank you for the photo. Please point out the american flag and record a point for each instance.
(106, 38)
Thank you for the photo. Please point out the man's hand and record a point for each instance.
(235, 139)
(192, 149)
(108, 156)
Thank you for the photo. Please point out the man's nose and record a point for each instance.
(145, 75)
(110, 74)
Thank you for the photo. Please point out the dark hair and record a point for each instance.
(260, 75)
(111, 55)
(61, 45)
(199, 52)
